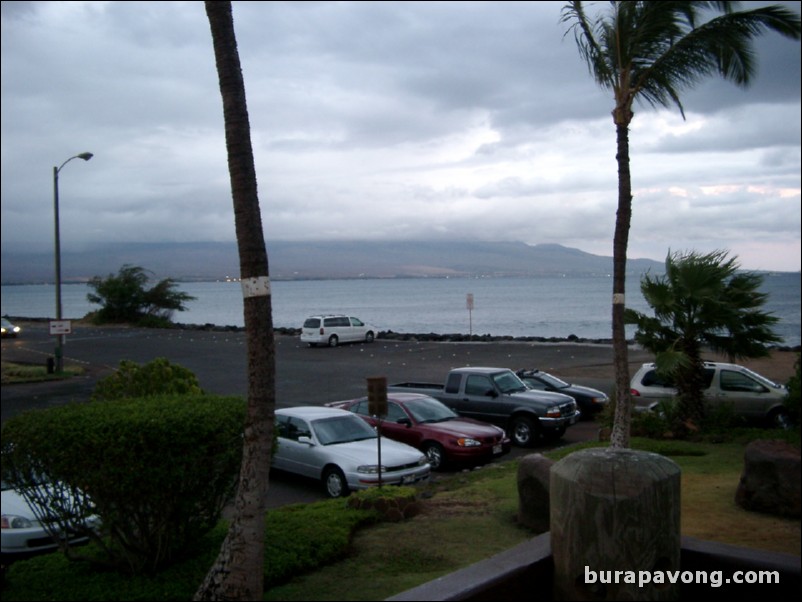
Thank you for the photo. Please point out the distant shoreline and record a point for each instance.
(389, 335)
(453, 276)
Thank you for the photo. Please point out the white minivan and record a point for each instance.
(332, 330)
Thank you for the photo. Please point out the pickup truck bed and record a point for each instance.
(413, 387)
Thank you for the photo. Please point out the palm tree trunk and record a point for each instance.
(691, 383)
(623, 407)
(238, 572)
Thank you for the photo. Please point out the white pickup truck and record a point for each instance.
(498, 396)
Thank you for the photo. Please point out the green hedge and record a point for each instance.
(298, 539)
(158, 377)
(157, 471)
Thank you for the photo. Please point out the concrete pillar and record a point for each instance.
(615, 521)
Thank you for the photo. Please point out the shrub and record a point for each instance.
(298, 539)
(660, 422)
(303, 537)
(392, 503)
(125, 298)
(654, 424)
(157, 471)
(158, 377)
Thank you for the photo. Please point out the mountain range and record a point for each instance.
(317, 260)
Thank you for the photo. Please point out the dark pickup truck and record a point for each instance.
(498, 396)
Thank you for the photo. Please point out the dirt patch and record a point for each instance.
(779, 366)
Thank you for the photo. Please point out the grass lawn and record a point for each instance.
(472, 516)
(28, 373)
(465, 517)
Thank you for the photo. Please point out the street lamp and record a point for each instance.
(60, 336)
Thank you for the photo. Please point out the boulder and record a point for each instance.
(770, 481)
(533, 492)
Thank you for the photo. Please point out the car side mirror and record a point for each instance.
(306, 439)
(491, 393)
(405, 421)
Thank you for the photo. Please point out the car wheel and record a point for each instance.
(333, 340)
(780, 418)
(435, 455)
(524, 431)
(369, 337)
(334, 482)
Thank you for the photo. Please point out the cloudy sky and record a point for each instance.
(381, 120)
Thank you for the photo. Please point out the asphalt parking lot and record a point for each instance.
(305, 375)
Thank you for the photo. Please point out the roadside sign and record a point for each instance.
(59, 327)
(377, 396)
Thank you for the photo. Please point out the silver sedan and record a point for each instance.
(342, 451)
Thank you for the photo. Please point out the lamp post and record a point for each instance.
(60, 336)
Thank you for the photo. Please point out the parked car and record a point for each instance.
(9, 330)
(428, 425)
(341, 450)
(22, 533)
(332, 330)
(498, 396)
(749, 394)
(590, 401)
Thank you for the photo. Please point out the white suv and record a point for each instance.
(748, 393)
(332, 330)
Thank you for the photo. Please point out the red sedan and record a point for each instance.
(425, 423)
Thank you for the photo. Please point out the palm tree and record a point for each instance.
(702, 301)
(238, 572)
(652, 51)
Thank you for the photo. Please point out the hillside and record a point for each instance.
(310, 260)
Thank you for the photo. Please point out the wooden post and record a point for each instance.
(615, 523)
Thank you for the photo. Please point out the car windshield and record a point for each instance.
(342, 429)
(507, 382)
(551, 381)
(428, 410)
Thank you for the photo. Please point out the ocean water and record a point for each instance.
(542, 307)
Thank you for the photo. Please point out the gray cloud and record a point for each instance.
(381, 120)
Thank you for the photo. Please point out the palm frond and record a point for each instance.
(654, 51)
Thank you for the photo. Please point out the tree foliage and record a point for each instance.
(124, 297)
(703, 301)
(155, 471)
(652, 52)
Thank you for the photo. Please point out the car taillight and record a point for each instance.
(634, 392)
(321, 330)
